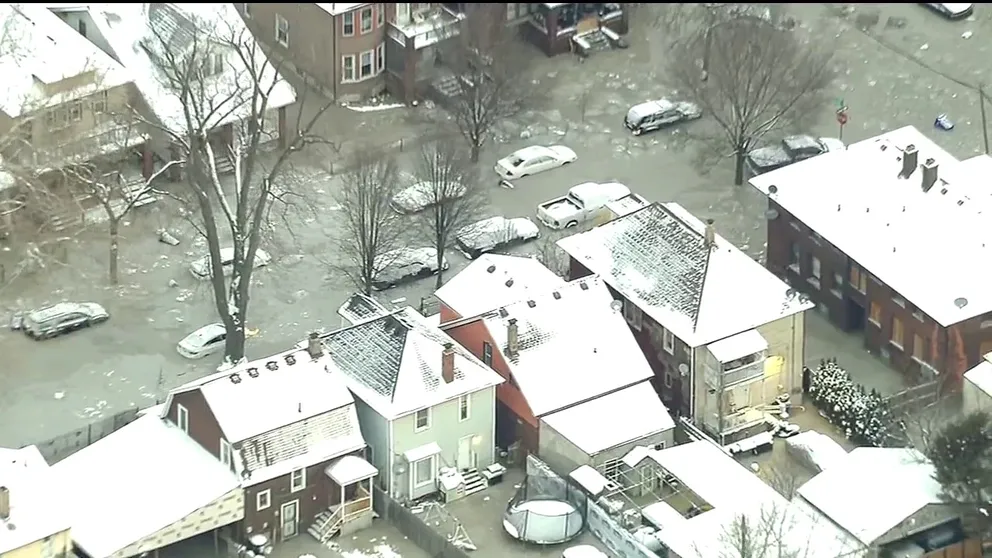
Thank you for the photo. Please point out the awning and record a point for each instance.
(422, 452)
(350, 469)
(590, 480)
(738, 346)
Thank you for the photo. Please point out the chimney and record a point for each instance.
(448, 363)
(710, 233)
(929, 174)
(4, 503)
(314, 347)
(910, 160)
(512, 342)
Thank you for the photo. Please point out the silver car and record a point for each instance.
(422, 195)
(494, 233)
(58, 319)
(205, 341)
(200, 268)
(406, 264)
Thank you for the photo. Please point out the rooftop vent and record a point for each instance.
(772, 190)
(235, 378)
(491, 269)
(290, 359)
(584, 286)
(503, 313)
(253, 372)
(557, 295)
(709, 233)
(509, 282)
(910, 160)
(4, 503)
(531, 303)
(272, 365)
(929, 174)
(961, 302)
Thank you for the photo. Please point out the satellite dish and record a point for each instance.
(771, 214)
(684, 369)
(773, 189)
(616, 305)
(960, 302)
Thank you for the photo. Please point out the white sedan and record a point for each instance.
(494, 233)
(205, 341)
(406, 264)
(423, 195)
(534, 159)
(200, 268)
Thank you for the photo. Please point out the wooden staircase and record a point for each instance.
(474, 482)
(327, 524)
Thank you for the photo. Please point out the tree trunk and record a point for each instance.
(234, 344)
(476, 150)
(440, 270)
(114, 251)
(739, 158)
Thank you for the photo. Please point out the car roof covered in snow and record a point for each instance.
(206, 333)
(647, 108)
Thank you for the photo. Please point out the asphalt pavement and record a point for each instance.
(49, 387)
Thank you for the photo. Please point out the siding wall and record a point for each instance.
(375, 430)
(61, 544)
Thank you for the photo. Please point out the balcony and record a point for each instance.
(105, 140)
(426, 27)
(743, 373)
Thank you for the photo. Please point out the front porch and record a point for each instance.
(553, 25)
(349, 481)
(412, 49)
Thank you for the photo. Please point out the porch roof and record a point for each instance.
(738, 346)
(350, 469)
(422, 452)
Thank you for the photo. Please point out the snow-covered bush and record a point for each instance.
(863, 416)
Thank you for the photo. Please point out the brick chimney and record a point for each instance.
(709, 234)
(314, 346)
(512, 341)
(4, 503)
(448, 363)
(929, 174)
(910, 160)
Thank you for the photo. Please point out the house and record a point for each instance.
(33, 522)
(977, 389)
(352, 51)
(59, 112)
(492, 281)
(704, 497)
(144, 37)
(426, 405)
(845, 229)
(146, 487)
(887, 499)
(722, 334)
(573, 373)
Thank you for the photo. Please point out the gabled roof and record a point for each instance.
(933, 248)
(873, 490)
(495, 280)
(393, 364)
(335, 9)
(37, 503)
(361, 308)
(573, 346)
(657, 258)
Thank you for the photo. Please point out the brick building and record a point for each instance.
(890, 239)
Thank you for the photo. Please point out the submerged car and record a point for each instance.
(494, 233)
(59, 319)
(205, 341)
(952, 11)
(534, 159)
(201, 267)
(422, 195)
(652, 115)
(406, 264)
(791, 149)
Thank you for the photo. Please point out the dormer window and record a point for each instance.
(213, 64)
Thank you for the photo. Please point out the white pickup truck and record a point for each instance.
(582, 203)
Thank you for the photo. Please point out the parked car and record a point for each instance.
(494, 233)
(791, 149)
(406, 264)
(650, 116)
(952, 11)
(200, 268)
(534, 159)
(423, 195)
(582, 203)
(203, 342)
(58, 319)
(583, 551)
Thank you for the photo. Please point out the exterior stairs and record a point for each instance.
(326, 525)
(225, 165)
(447, 86)
(474, 482)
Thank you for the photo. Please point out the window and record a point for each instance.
(668, 340)
(246, 9)
(919, 348)
(263, 500)
(366, 20)
(348, 68)
(298, 480)
(422, 421)
(794, 257)
(99, 103)
(897, 332)
(182, 418)
(487, 353)
(838, 280)
(464, 407)
(633, 315)
(348, 24)
(380, 11)
(875, 314)
(76, 112)
(423, 471)
(814, 264)
(226, 453)
(282, 31)
(899, 300)
(366, 68)
(81, 27)
(213, 64)
(402, 13)
(611, 470)
(918, 315)
(859, 279)
(380, 58)
(668, 378)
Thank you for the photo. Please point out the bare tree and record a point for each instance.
(548, 253)
(760, 79)
(372, 229)
(454, 195)
(781, 531)
(490, 81)
(227, 91)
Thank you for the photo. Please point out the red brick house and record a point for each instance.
(890, 239)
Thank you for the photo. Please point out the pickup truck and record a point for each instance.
(582, 203)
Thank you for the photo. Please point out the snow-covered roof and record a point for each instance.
(37, 504)
(40, 52)
(140, 480)
(349, 469)
(495, 280)
(737, 346)
(132, 30)
(338, 9)
(857, 201)
(873, 490)
(612, 420)
(572, 346)
(361, 308)
(734, 492)
(981, 375)
(658, 259)
(393, 364)
(627, 205)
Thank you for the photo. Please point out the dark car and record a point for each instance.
(791, 149)
(58, 319)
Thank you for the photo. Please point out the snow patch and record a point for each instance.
(378, 551)
(375, 108)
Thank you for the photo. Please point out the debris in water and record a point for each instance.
(165, 237)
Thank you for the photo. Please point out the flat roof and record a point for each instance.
(37, 506)
(981, 376)
(860, 203)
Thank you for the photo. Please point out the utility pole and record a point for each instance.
(985, 124)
